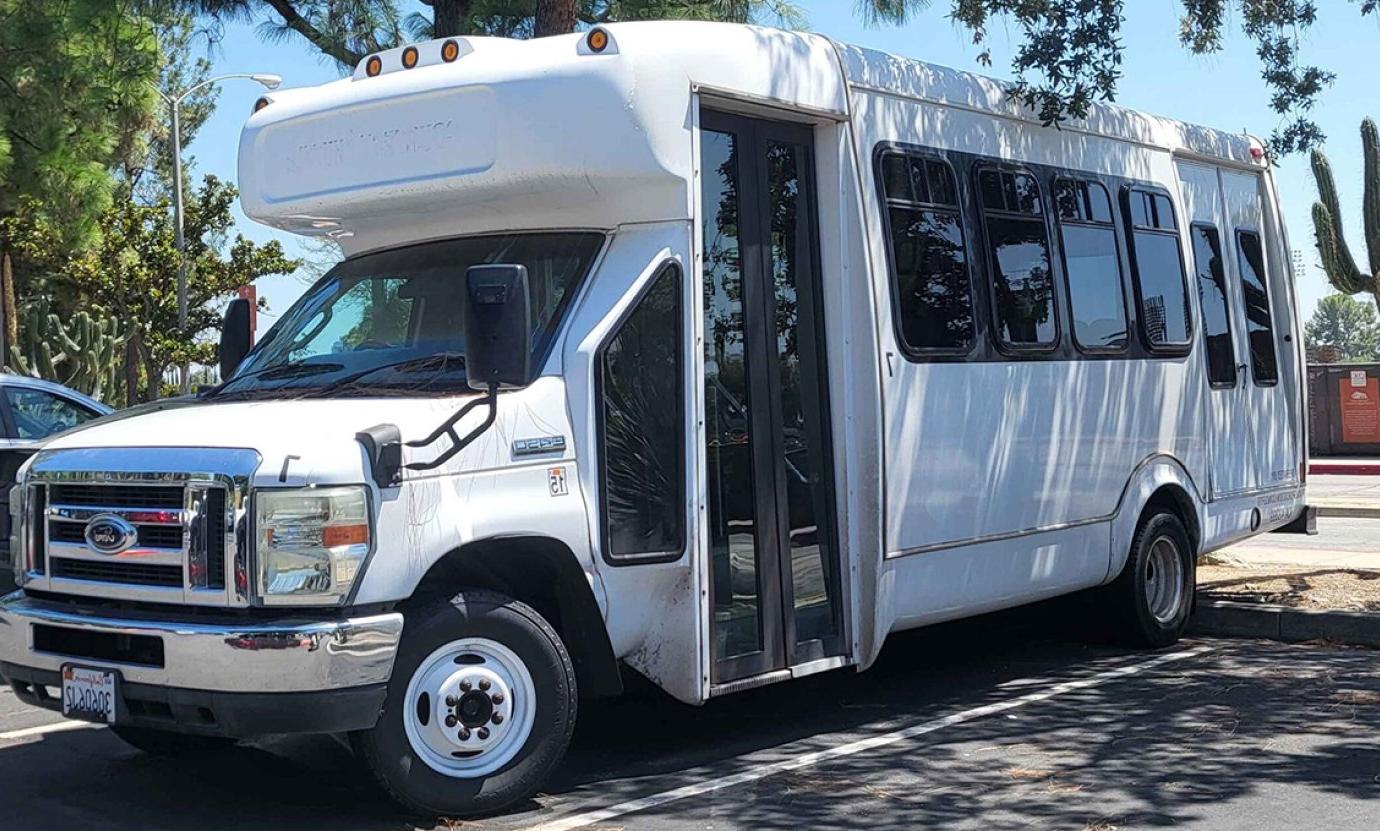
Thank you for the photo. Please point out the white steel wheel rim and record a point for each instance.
(1164, 580)
(469, 708)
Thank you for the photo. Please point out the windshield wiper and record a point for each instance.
(441, 359)
(291, 369)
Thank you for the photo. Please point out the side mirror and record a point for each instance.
(234, 337)
(498, 326)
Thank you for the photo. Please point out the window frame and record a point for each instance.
(1238, 233)
(1172, 350)
(923, 353)
(980, 166)
(1110, 225)
(10, 421)
(1226, 297)
(672, 268)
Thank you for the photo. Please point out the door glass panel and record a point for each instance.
(732, 515)
(1212, 292)
(800, 401)
(1260, 328)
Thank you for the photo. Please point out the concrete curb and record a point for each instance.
(1351, 511)
(1343, 469)
(1229, 619)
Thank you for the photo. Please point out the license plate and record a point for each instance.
(89, 694)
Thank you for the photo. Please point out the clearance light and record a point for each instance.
(409, 58)
(598, 40)
(373, 66)
(260, 104)
(450, 50)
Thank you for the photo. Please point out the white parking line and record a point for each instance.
(862, 745)
(56, 727)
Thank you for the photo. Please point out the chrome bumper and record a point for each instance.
(290, 655)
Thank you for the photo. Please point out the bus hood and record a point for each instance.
(313, 441)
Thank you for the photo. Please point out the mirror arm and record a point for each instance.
(448, 429)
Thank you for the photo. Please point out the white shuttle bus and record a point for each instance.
(712, 352)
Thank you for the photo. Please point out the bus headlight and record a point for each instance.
(310, 543)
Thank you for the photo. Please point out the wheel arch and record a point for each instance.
(1160, 481)
(545, 574)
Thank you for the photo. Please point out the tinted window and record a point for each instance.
(644, 482)
(1091, 265)
(39, 414)
(1260, 329)
(1158, 270)
(933, 304)
(1212, 294)
(1022, 284)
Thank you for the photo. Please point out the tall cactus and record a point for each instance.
(1341, 268)
(85, 353)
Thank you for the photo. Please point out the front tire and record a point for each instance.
(1153, 596)
(480, 708)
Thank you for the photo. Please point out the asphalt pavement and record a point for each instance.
(1028, 719)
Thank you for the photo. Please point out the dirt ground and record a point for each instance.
(1302, 587)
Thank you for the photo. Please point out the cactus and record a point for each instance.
(1341, 268)
(86, 353)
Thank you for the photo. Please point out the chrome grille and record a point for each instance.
(176, 511)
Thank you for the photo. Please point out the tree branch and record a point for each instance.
(315, 36)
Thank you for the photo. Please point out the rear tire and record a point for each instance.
(167, 744)
(1153, 596)
(480, 708)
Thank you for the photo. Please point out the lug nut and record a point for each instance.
(450, 701)
(483, 733)
(450, 721)
(497, 718)
(464, 686)
(465, 734)
(496, 698)
(484, 684)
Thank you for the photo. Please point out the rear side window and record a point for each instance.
(1260, 330)
(1022, 285)
(1212, 296)
(1092, 265)
(929, 259)
(641, 379)
(1157, 263)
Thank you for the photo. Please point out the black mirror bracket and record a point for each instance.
(448, 429)
(383, 447)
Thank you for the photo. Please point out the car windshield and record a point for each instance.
(394, 321)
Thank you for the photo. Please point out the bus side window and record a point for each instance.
(1022, 282)
(1092, 265)
(930, 282)
(642, 425)
(1212, 294)
(1260, 329)
(1158, 267)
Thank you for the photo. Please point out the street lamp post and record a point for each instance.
(173, 102)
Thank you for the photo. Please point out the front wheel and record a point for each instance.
(480, 708)
(1153, 596)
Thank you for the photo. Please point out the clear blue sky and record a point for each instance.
(1222, 91)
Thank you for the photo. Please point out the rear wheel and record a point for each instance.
(1153, 595)
(480, 708)
(167, 743)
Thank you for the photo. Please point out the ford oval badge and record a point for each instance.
(110, 534)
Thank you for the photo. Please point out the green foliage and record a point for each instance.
(1341, 268)
(132, 274)
(1348, 324)
(85, 353)
(1070, 51)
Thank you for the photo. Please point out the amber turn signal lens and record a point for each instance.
(373, 66)
(450, 50)
(409, 57)
(260, 104)
(598, 40)
(333, 536)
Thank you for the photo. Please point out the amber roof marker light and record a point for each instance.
(373, 66)
(409, 57)
(598, 40)
(450, 50)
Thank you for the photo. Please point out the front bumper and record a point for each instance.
(185, 663)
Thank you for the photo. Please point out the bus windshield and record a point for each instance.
(393, 321)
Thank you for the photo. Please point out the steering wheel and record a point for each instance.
(370, 344)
